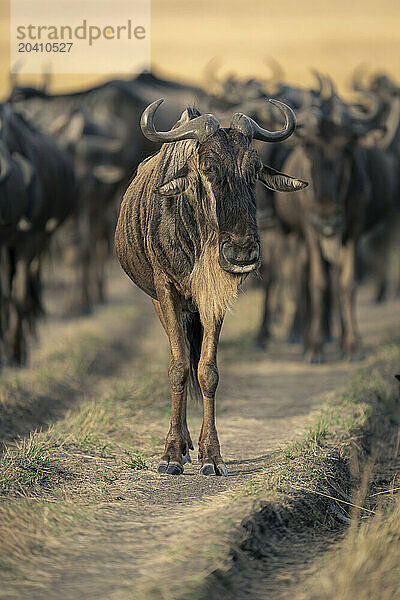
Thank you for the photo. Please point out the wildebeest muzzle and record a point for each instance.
(328, 226)
(240, 256)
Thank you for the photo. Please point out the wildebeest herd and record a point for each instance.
(193, 215)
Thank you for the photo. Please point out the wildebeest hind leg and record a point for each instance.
(16, 334)
(189, 444)
(178, 442)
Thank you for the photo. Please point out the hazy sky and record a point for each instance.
(331, 36)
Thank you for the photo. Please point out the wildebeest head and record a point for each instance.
(16, 171)
(96, 153)
(220, 174)
(329, 156)
(329, 135)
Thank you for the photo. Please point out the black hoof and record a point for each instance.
(222, 470)
(295, 338)
(316, 358)
(210, 469)
(174, 468)
(356, 357)
(162, 467)
(260, 345)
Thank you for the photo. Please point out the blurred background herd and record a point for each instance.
(69, 145)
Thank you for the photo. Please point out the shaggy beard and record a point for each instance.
(213, 289)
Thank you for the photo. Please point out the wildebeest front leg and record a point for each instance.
(351, 343)
(264, 331)
(78, 246)
(301, 317)
(15, 334)
(318, 285)
(189, 444)
(209, 450)
(178, 442)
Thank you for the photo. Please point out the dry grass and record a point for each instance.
(105, 443)
(96, 452)
(92, 444)
(367, 564)
(101, 433)
(27, 466)
(63, 370)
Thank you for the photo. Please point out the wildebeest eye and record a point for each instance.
(252, 172)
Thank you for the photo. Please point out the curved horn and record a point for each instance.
(251, 129)
(210, 71)
(357, 79)
(14, 73)
(199, 128)
(319, 80)
(277, 72)
(46, 78)
(372, 112)
(5, 164)
(331, 88)
(392, 124)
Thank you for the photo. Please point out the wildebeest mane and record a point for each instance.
(179, 213)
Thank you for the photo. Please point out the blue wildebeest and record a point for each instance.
(94, 127)
(382, 247)
(351, 191)
(37, 193)
(99, 126)
(187, 236)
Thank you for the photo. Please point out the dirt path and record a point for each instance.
(264, 401)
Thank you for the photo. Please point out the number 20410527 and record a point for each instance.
(47, 47)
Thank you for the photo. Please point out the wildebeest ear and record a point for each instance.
(176, 185)
(69, 127)
(279, 182)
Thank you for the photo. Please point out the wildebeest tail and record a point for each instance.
(194, 334)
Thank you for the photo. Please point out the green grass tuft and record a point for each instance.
(135, 460)
(26, 466)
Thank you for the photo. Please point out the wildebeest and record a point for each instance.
(381, 249)
(99, 126)
(37, 193)
(97, 157)
(351, 192)
(187, 236)
(94, 126)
